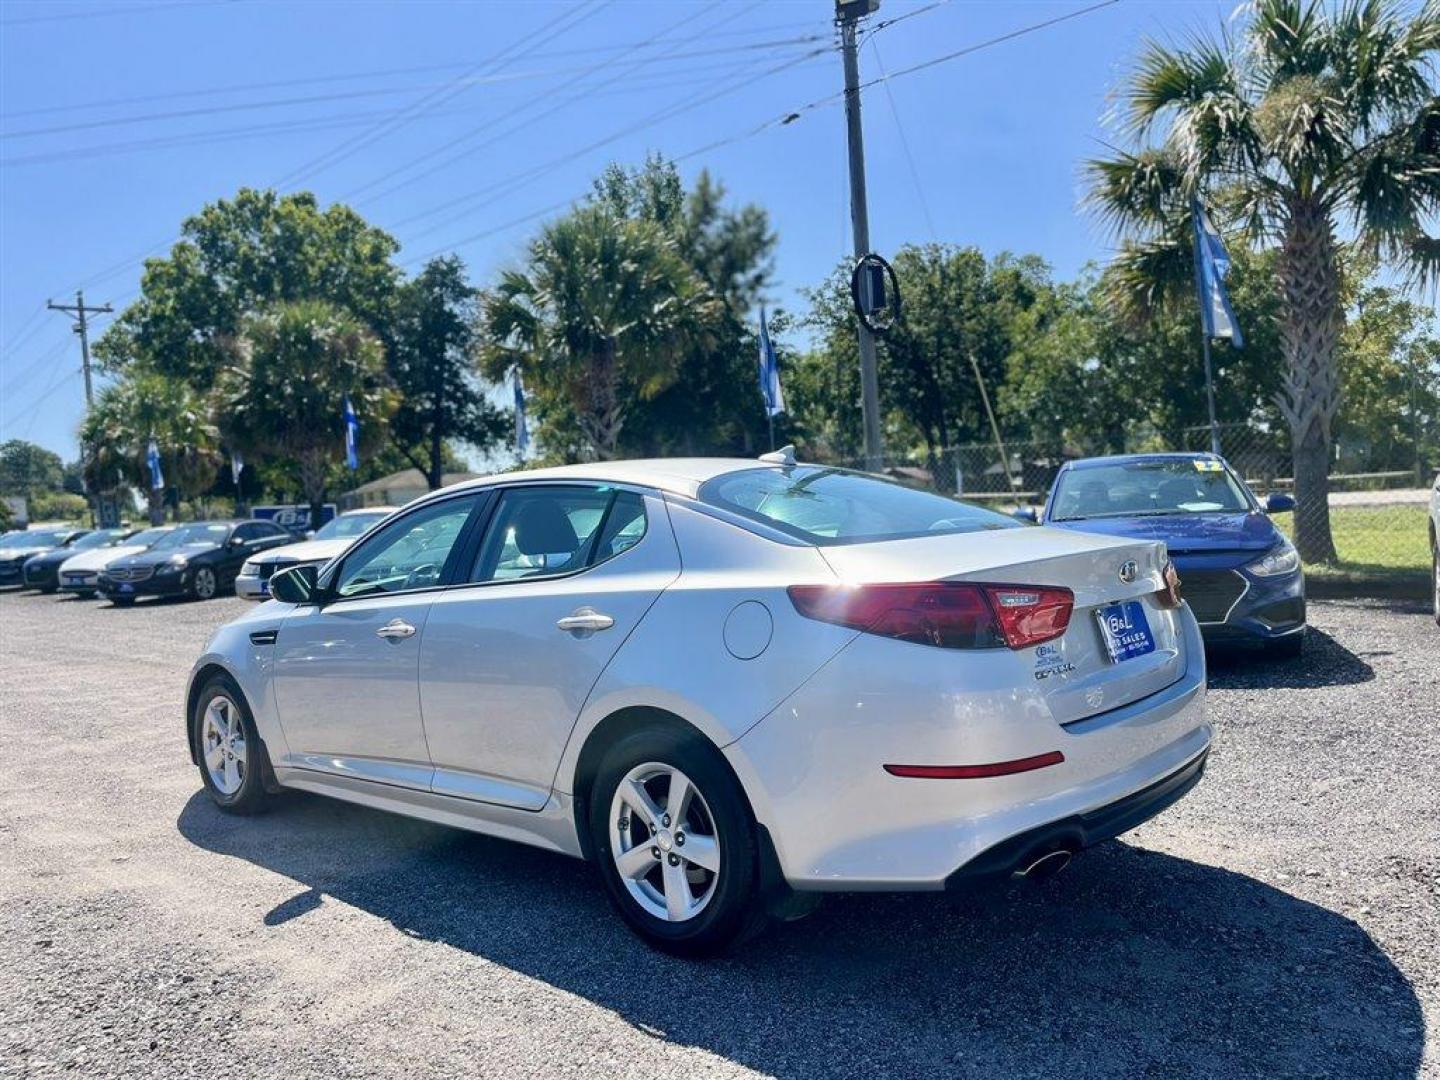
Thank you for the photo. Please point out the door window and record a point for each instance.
(545, 531)
(409, 554)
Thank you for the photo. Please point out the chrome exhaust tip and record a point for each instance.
(1046, 866)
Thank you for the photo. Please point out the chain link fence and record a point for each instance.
(1377, 505)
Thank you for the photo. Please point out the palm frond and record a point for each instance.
(1382, 63)
(1167, 78)
(1148, 277)
(1288, 38)
(1136, 194)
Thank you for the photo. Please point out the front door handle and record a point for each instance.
(396, 628)
(584, 622)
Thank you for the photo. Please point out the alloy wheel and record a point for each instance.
(222, 745)
(205, 583)
(663, 842)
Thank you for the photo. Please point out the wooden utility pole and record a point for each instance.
(848, 13)
(105, 515)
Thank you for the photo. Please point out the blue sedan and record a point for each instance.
(1238, 572)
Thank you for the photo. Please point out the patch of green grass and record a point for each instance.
(1383, 541)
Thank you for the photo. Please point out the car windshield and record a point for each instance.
(1153, 487)
(146, 538)
(36, 538)
(348, 525)
(98, 539)
(201, 532)
(832, 506)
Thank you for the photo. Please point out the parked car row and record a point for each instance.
(198, 559)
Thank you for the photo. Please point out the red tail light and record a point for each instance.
(947, 614)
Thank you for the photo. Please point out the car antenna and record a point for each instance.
(784, 456)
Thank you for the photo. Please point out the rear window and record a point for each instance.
(832, 506)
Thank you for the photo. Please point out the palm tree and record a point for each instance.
(127, 415)
(1316, 122)
(600, 315)
(282, 394)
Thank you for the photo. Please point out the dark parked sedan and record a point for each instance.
(19, 547)
(196, 560)
(43, 571)
(1238, 572)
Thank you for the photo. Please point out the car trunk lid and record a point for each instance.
(1075, 671)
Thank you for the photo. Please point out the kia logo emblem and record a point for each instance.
(1129, 570)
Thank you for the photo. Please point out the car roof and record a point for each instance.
(682, 476)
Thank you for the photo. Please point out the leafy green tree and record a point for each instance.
(1312, 118)
(140, 406)
(28, 469)
(596, 321)
(432, 363)
(713, 405)
(283, 391)
(1390, 378)
(237, 257)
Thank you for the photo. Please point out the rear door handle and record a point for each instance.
(584, 622)
(396, 628)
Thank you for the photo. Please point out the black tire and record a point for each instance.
(252, 796)
(1435, 582)
(1287, 648)
(733, 913)
(210, 589)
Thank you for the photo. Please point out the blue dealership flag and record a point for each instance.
(522, 430)
(1212, 265)
(352, 436)
(769, 373)
(152, 458)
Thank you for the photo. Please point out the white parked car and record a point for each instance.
(81, 573)
(728, 683)
(253, 582)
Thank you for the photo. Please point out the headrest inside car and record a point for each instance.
(542, 528)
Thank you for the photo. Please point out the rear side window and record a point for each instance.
(832, 506)
(545, 531)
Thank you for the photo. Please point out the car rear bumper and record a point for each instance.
(1080, 831)
(840, 822)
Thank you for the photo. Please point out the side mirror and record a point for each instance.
(296, 584)
(1026, 513)
(1277, 503)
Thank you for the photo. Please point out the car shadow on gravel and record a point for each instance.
(1324, 662)
(1131, 963)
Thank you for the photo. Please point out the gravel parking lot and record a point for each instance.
(1284, 920)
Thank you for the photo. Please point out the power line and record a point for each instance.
(312, 99)
(565, 21)
(536, 172)
(904, 142)
(787, 118)
(467, 136)
(106, 12)
(275, 84)
(329, 122)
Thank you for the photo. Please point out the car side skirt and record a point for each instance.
(552, 827)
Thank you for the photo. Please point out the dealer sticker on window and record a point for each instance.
(1125, 629)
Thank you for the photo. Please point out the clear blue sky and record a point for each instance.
(375, 102)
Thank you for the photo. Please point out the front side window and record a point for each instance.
(101, 538)
(1148, 487)
(409, 554)
(832, 506)
(545, 531)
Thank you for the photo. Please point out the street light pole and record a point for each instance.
(848, 13)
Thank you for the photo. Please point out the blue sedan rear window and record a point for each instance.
(832, 506)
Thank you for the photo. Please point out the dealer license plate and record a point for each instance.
(1125, 629)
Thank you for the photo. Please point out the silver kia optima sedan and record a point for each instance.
(731, 684)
